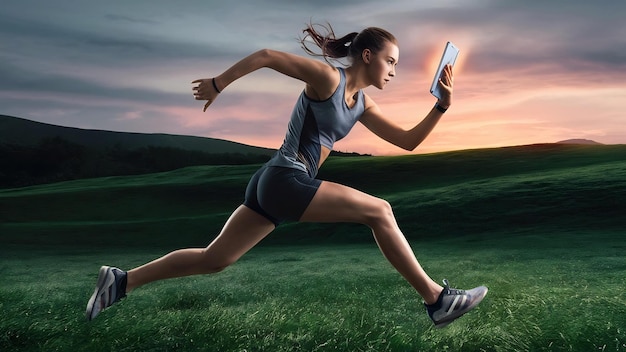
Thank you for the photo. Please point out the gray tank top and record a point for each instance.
(314, 124)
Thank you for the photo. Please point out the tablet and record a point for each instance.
(449, 56)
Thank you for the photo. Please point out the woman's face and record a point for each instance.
(382, 65)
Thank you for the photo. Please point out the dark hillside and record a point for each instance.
(503, 190)
(36, 153)
(56, 159)
(18, 131)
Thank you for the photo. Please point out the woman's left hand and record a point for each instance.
(205, 91)
(445, 84)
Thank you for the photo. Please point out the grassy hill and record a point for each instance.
(19, 131)
(542, 226)
(445, 194)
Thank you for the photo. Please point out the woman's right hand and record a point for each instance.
(446, 82)
(205, 91)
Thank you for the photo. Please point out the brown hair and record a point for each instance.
(350, 45)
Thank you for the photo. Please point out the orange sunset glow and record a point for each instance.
(526, 73)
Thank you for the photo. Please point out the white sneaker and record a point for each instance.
(453, 303)
(111, 288)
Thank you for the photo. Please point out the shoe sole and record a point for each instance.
(450, 319)
(102, 278)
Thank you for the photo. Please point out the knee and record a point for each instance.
(381, 213)
(212, 269)
(212, 264)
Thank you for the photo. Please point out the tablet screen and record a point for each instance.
(449, 56)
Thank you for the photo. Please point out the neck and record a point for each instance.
(356, 79)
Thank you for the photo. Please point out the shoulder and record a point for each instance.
(320, 77)
(369, 102)
(371, 111)
(325, 82)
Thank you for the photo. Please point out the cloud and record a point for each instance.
(128, 66)
(129, 19)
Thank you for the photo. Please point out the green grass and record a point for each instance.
(541, 226)
(547, 292)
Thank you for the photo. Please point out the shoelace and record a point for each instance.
(451, 291)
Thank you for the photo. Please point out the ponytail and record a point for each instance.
(331, 47)
(350, 45)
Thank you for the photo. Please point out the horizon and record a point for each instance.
(575, 141)
(527, 73)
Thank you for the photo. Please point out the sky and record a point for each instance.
(530, 71)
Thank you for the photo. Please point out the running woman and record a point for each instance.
(286, 188)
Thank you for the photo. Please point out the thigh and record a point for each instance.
(334, 202)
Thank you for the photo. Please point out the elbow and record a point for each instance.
(264, 52)
(269, 58)
(264, 56)
(258, 59)
(410, 145)
(406, 146)
(412, 140)
(403, 141)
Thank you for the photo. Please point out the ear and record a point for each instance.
(366, 55)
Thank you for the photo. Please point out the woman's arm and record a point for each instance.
(376, 122)
(321, 78)
(396, 135)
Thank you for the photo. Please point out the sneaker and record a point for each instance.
(111, 288)
(453, 303)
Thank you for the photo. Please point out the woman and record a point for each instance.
(285, 188)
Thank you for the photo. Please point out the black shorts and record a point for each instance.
(280, 193)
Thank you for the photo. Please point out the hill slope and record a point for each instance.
(578, 141)
(38, 153)
(503, 190)
(18, 131)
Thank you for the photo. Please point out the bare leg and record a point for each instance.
(243, 230)
(337, 203)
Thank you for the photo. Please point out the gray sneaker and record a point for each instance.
(453, 303)
(111, 288)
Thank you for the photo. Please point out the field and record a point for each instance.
(542, 226)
